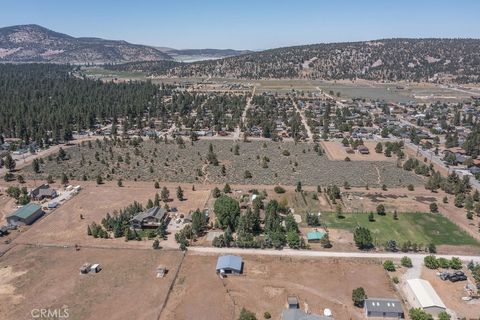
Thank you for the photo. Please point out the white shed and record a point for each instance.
(425, 297)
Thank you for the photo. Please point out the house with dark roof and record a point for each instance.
(152, 218)
(297, 314)
(25, 215)
(42, 192)
(383, 308)
(229, 264)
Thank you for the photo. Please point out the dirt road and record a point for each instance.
(326, 254)
(304, 121)
(236, 134)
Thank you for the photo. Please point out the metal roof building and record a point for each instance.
(229, 264)
(386, 308)
(315, 236)
(297, 314)
(425, 297)
(25, 215)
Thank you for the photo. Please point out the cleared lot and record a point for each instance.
(336, 151)
(34, 278)
(266, 283)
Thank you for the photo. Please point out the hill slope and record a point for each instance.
(389, 59)
(33, 43)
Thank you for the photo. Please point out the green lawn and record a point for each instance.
(420, 228)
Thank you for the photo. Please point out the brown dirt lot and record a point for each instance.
(336, 151)
(266, 283)
(50, 278)
(451, 295)
(64, 226)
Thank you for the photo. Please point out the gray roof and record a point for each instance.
(229, 262)
(297, 314)
(155, 212)
(383, 305)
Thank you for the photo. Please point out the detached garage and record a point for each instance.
(425, 297)
(383, 308)
(26, 215)
(229, 264)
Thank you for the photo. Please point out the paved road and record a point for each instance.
(325, 254)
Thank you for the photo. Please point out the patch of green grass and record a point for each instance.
(417, 227)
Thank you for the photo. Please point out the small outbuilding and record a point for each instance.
(229, 264)
(315, 236)
(384, 308)
(425, 297)
(25, 215)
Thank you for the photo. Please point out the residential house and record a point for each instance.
(42, 192)
(152, 218)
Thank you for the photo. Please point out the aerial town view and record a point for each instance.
(323, 163)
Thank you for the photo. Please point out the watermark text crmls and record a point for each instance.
(49, 313)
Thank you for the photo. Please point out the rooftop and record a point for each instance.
(315, 235)
(425, 294)
(297, 314)
(229, 262)
(383, 305)
(26, 211)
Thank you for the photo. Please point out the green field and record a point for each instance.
(420, 228)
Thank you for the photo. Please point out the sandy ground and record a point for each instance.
(452, 293)
(266, 283)
(336, 151)
(32, 277)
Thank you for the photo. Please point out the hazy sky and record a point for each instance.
(247, 24)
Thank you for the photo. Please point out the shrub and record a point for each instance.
(433, 207)
(279, 189)
(410, 187)
(389, 265)
(406, 262)
(431, 262)
(381, 209)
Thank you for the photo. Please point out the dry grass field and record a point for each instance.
(126, 288)
(267, 281)
(64, 226)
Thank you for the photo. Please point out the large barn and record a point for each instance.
(25, 215)
(425, 297)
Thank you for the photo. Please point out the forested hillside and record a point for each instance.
(391, 59)
(41, 99)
